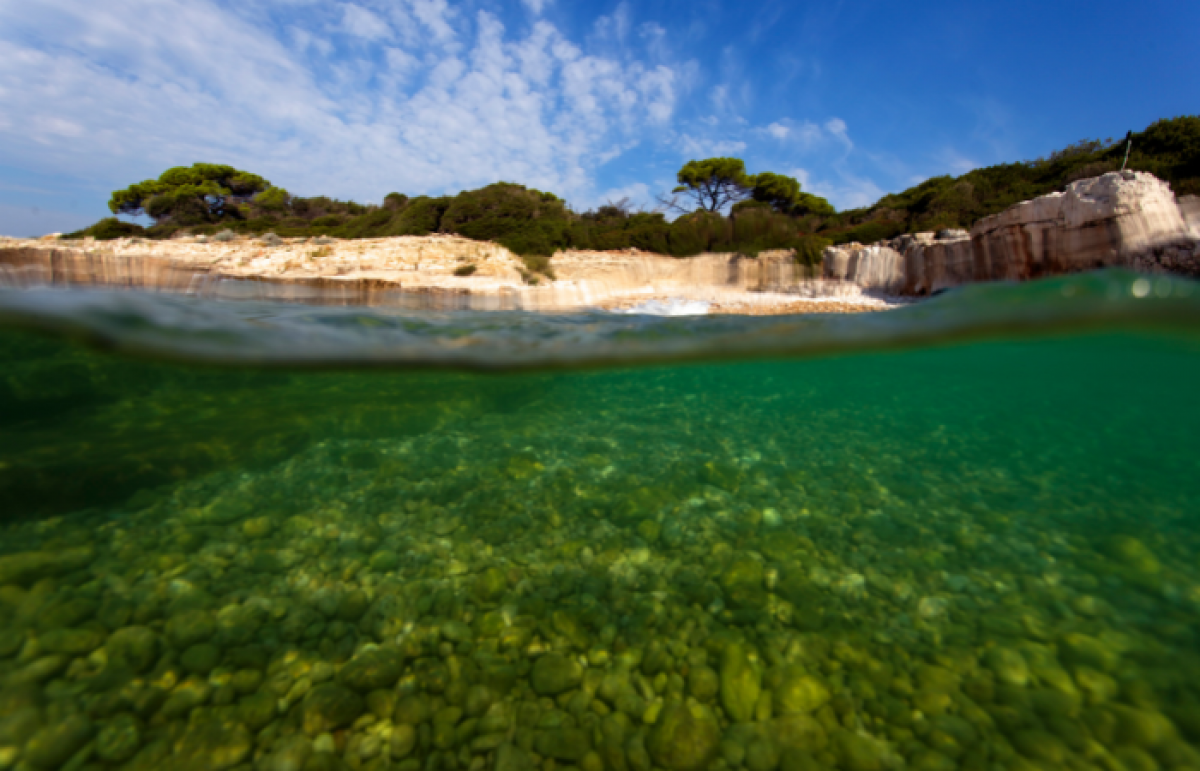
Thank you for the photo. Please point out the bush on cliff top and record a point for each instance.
(108, 229)
(1169, 149)
(533, 224)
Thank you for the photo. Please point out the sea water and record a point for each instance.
(964, 534)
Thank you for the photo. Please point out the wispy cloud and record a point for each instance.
(846, 191)
(805, 134)
(411, 95)
(699, 147)
(838, 129)
(536, 6)
(359, 21)
(955, 162)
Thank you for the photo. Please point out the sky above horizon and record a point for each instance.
(594, 101)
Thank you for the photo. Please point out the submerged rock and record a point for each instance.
(680, 741)
(27, 567)
(328, 707)
(119, 739)
(212, 745)
(555, 673)
(741, 683)
(377, 668)
(800, 693)
(55, 743)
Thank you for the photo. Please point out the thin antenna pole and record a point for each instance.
(1128, 144)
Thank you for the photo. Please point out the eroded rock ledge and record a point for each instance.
(1126, 219)
(431, 272)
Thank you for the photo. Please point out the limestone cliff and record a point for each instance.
(427, 272)
(1121, 218)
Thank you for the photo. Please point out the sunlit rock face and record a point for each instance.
(877, 268)
(1189, 207)
(1106, 220)
(1121, 218)
(932, 263)
(427, 273)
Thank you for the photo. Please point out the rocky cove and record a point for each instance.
(1119, 219)
(937, 558)
(428, 272)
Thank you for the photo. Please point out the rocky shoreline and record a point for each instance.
(1129, 219)
(428, 272)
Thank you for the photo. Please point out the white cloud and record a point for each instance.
(837, 127)
(357, 20)
(848, 191)
(955, 162)
(435, 16)
(462, 103)
(400, 62)
(699, 147)
(613, 28)
(636, 194)
(536, 6)
(804, 134)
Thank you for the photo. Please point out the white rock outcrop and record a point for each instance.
(1122, 218)
(1189, 207)
(877, 268)
(418, 272)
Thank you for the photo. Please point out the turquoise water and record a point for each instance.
(958, 535)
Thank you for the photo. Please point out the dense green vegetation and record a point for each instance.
(1169, 149)
(207, 199)
(765, 210)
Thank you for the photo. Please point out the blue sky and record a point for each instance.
(591, 100)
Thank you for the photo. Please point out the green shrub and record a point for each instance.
(537, 263)
(1169, 149)
(465, 270)
(698, 232)
(810, 249)
(422, 216)
(108, 229)
(525, 221)
(870, 232)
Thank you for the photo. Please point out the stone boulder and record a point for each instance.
(878, 268)
(1097, 222)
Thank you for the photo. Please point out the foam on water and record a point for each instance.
(672, 306)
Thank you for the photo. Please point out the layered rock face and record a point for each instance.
(879, 267)
(1189, 207)
(412, 272)
(1121, 218)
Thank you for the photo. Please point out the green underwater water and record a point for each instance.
(981, 554)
